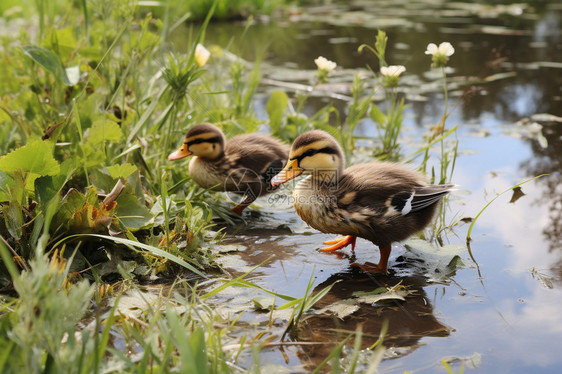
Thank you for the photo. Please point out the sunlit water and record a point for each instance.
(505, 311)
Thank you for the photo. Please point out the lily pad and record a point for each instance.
(395, 293)
(440, 260)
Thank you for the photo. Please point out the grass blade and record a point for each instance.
(468, 238)
(132, 244)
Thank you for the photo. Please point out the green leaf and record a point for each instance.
(131, 212)
(13, 217)
(73, 201)
(123, 170)
(133, 244)
(34, 157)
(275, 108)
(377, 115)
(104, 129)
(48, 60)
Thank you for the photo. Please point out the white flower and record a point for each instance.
(444, 49)
(392, 70)
(324, 64)
(202, 55)
(440, 55)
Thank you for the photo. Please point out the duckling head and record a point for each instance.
(316, 153)
(204, 140)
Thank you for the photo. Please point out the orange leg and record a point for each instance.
(340, 243)
(382, 266)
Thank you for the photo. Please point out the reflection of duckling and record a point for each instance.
(341, 312)
(244, 164)
(379, 201)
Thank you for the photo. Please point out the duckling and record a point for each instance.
(244, 164)
(379, 201)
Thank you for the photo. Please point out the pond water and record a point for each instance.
(502, 314)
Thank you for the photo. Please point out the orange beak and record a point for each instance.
(290, 171)
(179, 154)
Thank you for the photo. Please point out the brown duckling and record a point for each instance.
(379, 201)
(244, 164)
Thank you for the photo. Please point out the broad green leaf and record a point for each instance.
(123, 170)
(34, 157)
(104, 129)
(275, 108)
(131, 212)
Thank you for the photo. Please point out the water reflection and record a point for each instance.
(408, 321)
(549, 161)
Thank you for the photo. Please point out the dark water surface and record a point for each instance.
(505, 313)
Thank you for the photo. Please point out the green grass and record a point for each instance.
(92, 102)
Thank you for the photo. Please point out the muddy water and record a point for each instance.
(502, 314)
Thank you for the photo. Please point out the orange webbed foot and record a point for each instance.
(340, 243)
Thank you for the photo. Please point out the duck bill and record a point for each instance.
(179, 154)
(290, 171)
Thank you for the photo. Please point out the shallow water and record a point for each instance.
(504, 312)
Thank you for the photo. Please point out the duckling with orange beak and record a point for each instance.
(379, 201)
(244, 164)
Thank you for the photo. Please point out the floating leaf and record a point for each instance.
(34, 157)
(442, 260)
(135, 302)
(342, 308)
(263, 302)
(397, 292)
(517, 194)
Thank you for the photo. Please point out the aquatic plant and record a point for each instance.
(325, 67)
(440, 54)
(388, 123)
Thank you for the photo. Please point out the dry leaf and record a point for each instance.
(517, 194)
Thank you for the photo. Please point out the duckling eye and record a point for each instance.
(197, 141)
(309, 152)
(214, 146)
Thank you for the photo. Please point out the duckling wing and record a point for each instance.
(256, 152)
(428, 195)
(384, 189)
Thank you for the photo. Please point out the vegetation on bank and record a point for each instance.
(93, 98)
